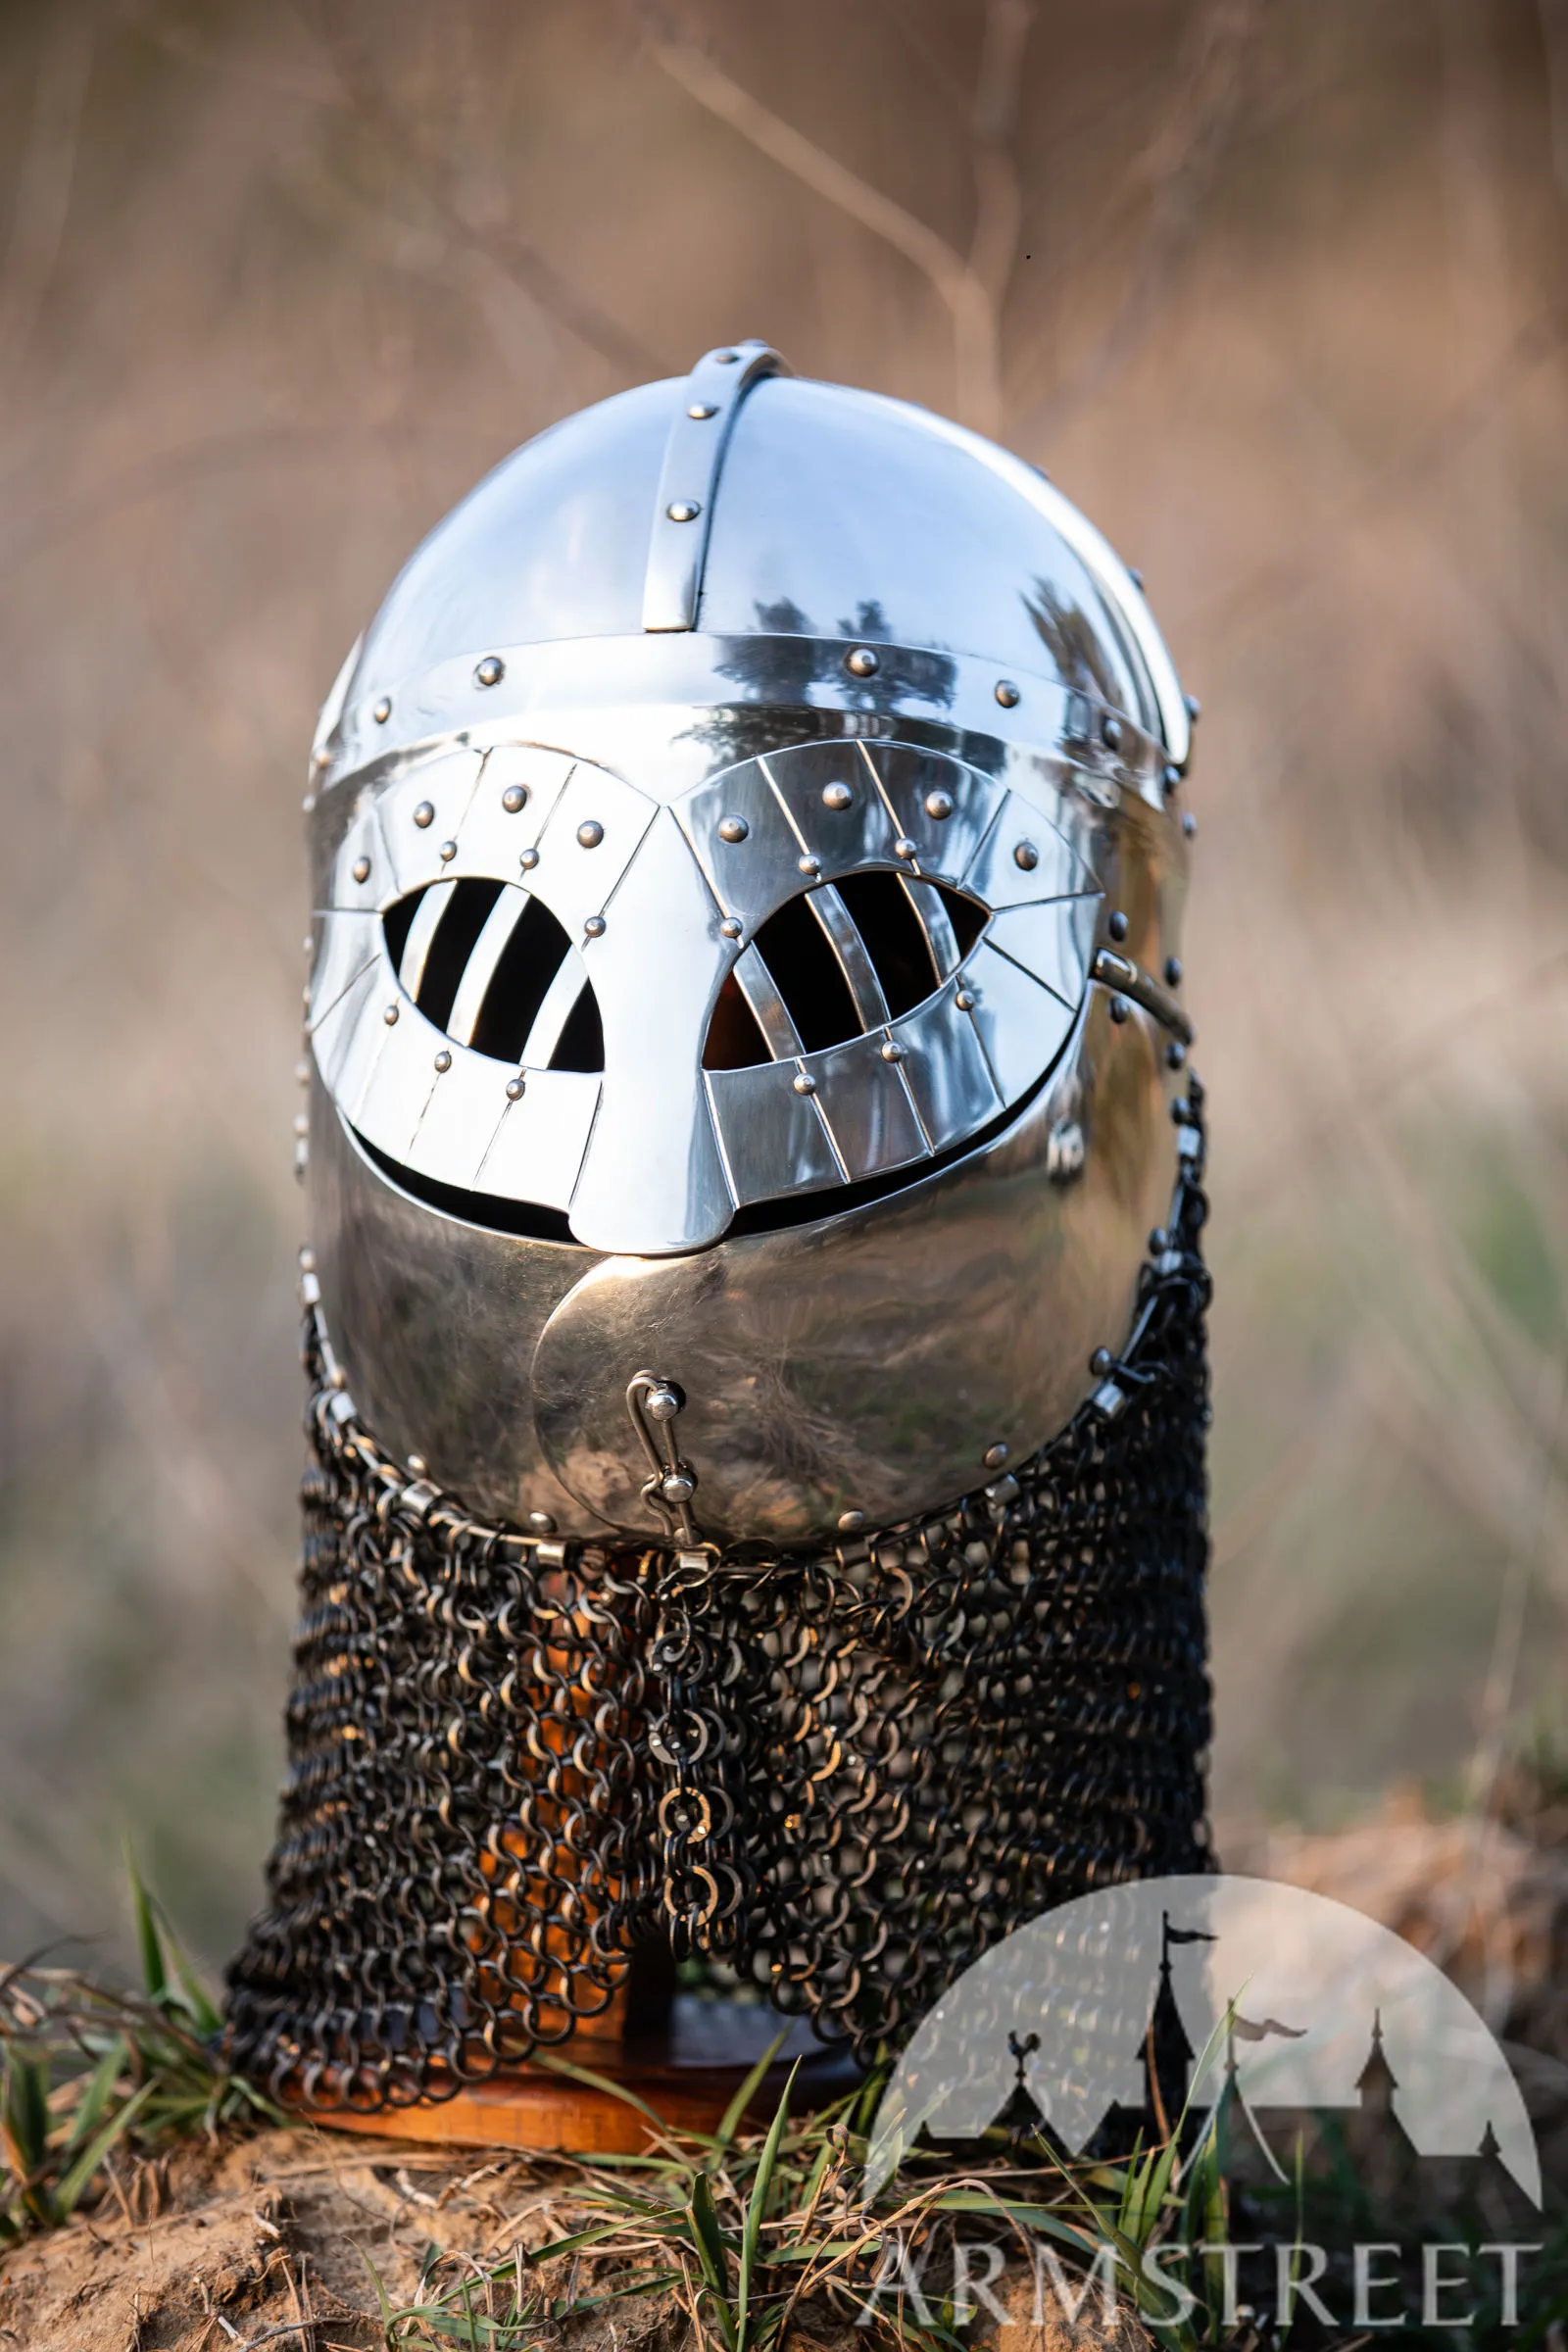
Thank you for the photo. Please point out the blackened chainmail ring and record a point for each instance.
(838, 1778)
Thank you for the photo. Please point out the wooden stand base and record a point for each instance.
(687, 2075)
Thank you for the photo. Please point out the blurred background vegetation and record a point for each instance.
(1274, 288)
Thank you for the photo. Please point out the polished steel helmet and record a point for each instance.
(743, 1001)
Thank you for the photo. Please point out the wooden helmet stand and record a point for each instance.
(605, 2090)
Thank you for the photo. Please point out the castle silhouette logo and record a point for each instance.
(1277, 2008)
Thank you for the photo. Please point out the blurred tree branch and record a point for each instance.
(971, 286)
(46, 169)
(1177, 169)
(406, 141)
(1554, 16)
(212, 457)
(1540, 338)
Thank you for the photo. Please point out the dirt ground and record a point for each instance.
(212, 2246)
(273, 2237)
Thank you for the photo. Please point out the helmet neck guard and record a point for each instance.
(834, 1775)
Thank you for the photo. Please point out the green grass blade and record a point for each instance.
(730, 2121)
(96, 2093)
(25, 2117)
(376, 2280)
(713, 2256)
(149, 1941)
(757, 2209)
(72, 2183)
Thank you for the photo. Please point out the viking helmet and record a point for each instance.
(743, 1002)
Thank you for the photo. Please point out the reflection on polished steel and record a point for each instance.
(713, 844)
(667, 1490)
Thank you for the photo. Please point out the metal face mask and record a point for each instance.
(743, 996)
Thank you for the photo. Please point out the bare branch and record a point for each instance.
(1540, 339)
(823, 173)
(1177, 168)
(43, 182)
(1554, 16)
(968, 300)
(998, 198)
(520, 262)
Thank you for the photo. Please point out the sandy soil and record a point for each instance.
(271, 2237)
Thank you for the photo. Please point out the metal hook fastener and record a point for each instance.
(653, 1405)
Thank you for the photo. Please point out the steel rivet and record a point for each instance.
(995, 1455)
(515, 1090)
(541, 1523)
(443, 1060)
(809, 864)
(664, 1403)
(491, 670)
(849, 1522)
(1119, 1010)
(905, 847)
(734, 828)
(702, 409)
(862, 663)
(677, 1486)
(939, 805)
(1111, 732)
(528, 860)
(1189, 825)
(1195, 708)
(383, 711)
(306, 1262)
(424, 814)
(337, 1378)
(308, 805)
(595, 926)
(837, 795)
(683, 510)
(1101, 1362)
(1006, 694)
(301, 1074)
(1026, 857)
(805, 1085)
(448, 850)
(514, 797)
(322, 757)
(892, 1052)
(1175, 1054)
(964, 1000)
(1171, 778)
(730, 928)
(726, 358)
(302, 1125)
(362, 870)
(1173, 972)
(589, 833)
(390, 1016)
(308, 945)
(418, 1465)
(1117, 925)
